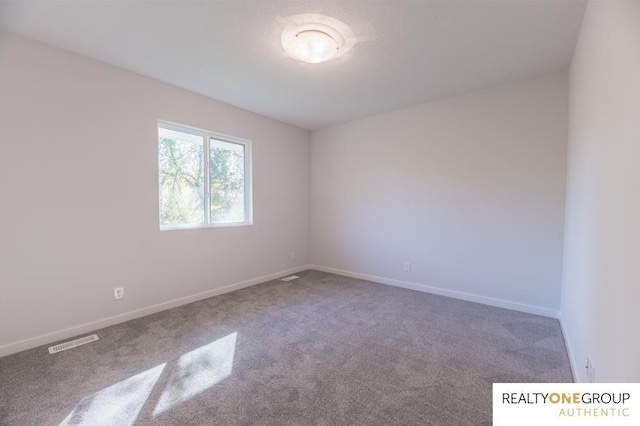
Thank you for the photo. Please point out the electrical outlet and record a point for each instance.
(292, 255)
(591, 371)
(407, 266)
(118, 293)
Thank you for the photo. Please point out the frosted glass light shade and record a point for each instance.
(313, 46)
(316, 38)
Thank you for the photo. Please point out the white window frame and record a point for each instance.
(207, 135)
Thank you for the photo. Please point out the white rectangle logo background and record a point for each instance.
(550, 404)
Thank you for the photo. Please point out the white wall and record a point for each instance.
(601, 284)
(79, 203)
(470, 190)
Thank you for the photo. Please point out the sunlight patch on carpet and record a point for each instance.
(119, 404)
(197, 371)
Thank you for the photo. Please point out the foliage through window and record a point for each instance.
(204, 178)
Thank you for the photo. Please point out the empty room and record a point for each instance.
(365, 212)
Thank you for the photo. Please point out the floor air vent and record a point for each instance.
(73, 344)
(290, 278)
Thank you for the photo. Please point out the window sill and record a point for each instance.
(211, 225)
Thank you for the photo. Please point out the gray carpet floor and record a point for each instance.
(320, 350)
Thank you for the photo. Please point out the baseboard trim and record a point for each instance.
(55, 336)
(575, 367)
(500, 303)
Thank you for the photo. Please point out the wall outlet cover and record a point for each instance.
(118, 293)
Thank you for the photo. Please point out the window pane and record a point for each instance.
(227, 181)
(181, 165)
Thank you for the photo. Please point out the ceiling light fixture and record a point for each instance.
(314, 38)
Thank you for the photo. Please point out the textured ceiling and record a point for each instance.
(409, 52)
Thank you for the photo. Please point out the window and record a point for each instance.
(204, 178)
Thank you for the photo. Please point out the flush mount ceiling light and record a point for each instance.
(314, 44)
(314, 38)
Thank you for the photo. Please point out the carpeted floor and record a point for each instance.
(321, 350)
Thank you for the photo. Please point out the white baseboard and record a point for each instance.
(55, 336)
(500, 303)
(575, 367)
